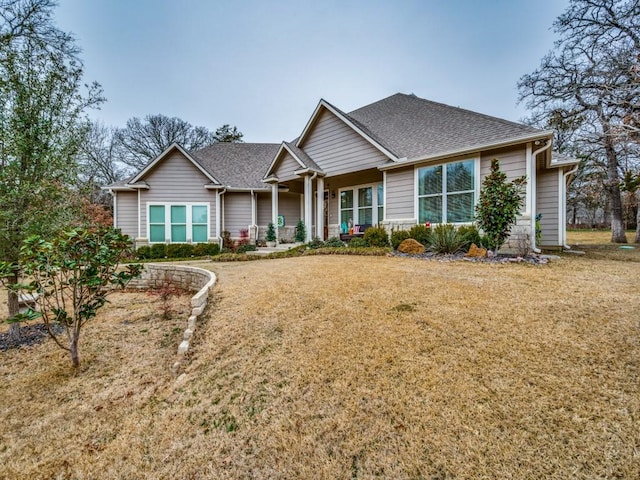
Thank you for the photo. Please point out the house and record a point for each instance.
(397, 162)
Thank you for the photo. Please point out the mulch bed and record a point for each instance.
(456, 257)
(29, 335)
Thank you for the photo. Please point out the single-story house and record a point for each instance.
(397, 162)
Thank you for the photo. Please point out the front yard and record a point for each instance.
(348, 367)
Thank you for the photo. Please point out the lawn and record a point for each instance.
(348, 367)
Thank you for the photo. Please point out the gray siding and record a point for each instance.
(286, 167)
(547, 191)
(338, 149)
(288, 204)
(400, 194)
(237, 212)
(513, 161)
(176, 180)
(127, 213)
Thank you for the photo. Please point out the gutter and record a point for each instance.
(534, 158)
(564, 210)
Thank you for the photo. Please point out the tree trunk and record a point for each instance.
(14, 308)
(637, 239)
(75, 357)
(613, 187)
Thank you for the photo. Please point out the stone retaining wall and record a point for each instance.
(193, 279)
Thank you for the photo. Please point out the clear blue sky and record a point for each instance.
(264, 65)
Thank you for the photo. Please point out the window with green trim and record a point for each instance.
(178, 223)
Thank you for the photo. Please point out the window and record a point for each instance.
(446, 193)
(178, 223)
(361, 205)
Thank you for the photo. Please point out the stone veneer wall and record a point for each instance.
(193, 279)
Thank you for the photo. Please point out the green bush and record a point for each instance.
(397, 237)
(446, 239)
(158, 250)
(143, 252)
(315, 243)
(334, 242)
(301, 231)
(271, 233)
(470, 234)
(179, 250)
(358, 242)
(206, 249)
(422, 234)
(247, 247)
(376, 237)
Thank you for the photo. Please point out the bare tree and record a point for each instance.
(592, 76)
(143, 140)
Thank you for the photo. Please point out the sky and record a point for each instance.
(263, 66)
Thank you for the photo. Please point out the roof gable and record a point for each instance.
(303, 161)
(155, 162)
(324, 105)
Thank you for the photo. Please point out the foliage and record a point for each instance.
(470, 234)
(301, 231)
(158, 250)
(421, 233)
(227, 241)
(247, 247)
(206, 249)
(143, 252)
(358, 242)
(538, 227)
(334, 242)
(179, 250)
(315, 243)
(376, 237)
(164, 295)
(271, 233)
(446, 239)
(73, 275)
(499, 205)
(397, 237)
(42, 123)
(587, 88)
(228, 134)
(367, 252)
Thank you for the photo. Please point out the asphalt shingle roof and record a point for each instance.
(413, 127)
(303, 157)
(237, 165)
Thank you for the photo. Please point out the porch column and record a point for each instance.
(320, 208)
(308, 207)
(274, 207)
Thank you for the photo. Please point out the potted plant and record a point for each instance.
(271, 235)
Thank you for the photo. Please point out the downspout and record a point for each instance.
(564, 207)
(219, 215)
(534, 160)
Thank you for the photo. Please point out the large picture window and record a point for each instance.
(446, 192)
(178, 223)
(361, 205)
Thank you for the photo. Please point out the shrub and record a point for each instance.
(334, 242)
(227, 242)
(470, 235)
(397, 237)
(158, 250)
(301, 231)
(358, 242)
(499, 205)
(179, 250)
(446, 239)
(376, 237)
(143, 252)
(315, 243)
(421, 233)
(247, 247)
(206, 249)
(271, 233)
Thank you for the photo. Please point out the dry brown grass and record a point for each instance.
(593, 237)
(350, 367)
